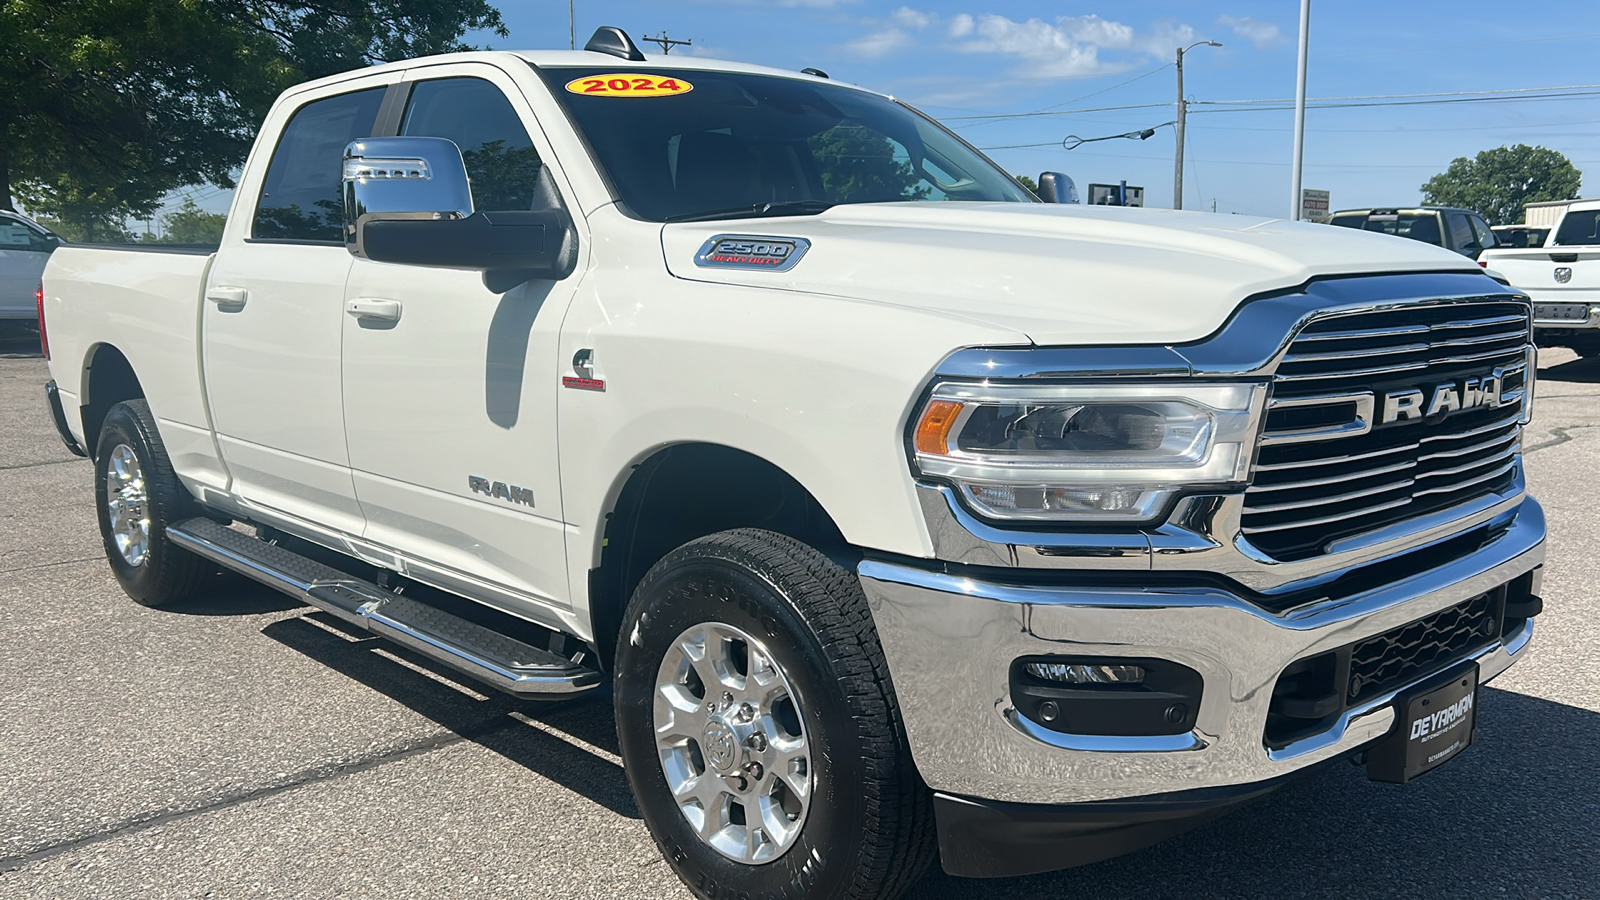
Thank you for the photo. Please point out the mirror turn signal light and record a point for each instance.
(933, 431)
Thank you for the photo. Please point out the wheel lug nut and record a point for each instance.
(737, 782)
(754, 770)
(756, 742)
(746, 712)
(727, 698)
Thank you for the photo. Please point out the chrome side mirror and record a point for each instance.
(1055, 187)
(399, 179)
(408, 200)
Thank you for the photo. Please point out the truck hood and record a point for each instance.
(1059, 274)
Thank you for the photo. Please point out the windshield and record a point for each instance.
(679, 144)
(1578, 228)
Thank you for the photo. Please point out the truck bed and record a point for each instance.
(145, 301)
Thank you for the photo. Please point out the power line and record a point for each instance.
(1543, 90)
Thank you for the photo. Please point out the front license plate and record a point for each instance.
(1561, 312)
(1434, 724)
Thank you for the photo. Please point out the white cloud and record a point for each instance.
(879, 43)
(1069, 47)
(911, 18)
(1257, 32)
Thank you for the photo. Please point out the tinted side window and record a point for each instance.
(1484, 234)
(300, 196)
(500, 158)
(1460, 232)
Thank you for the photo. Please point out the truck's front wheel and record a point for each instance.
(138, 496)
(759, 729)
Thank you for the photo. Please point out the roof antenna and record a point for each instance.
(614, 41)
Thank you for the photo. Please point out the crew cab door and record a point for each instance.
(274, 312)
(450, 388)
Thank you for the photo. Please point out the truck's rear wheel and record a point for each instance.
(759, 728)
(138, 496)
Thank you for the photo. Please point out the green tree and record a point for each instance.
(110, 104)
(1498, 183)
(861, 166)
(1029, 183)
(189, 224)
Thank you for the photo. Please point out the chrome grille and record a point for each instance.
(1328, 468)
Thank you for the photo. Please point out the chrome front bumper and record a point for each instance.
(950, 641)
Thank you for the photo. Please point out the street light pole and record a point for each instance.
(1183, 117)
(1300, 111)
(572, 26)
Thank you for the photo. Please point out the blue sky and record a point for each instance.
(965, 59)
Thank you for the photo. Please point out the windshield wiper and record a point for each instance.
(758, 211)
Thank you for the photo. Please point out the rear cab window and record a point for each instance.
(300, 198)
(1579, 228)
(1419, 226)
(18, 235)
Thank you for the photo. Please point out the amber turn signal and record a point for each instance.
(933, 432)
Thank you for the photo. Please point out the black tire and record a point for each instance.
(869, 832)
(167, 575)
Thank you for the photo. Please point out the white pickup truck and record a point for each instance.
(904, 516)
(1562, 277)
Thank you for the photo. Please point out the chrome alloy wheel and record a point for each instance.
(128, 504)
(731, 743)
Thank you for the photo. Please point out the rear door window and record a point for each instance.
(300, 196)
(1485, 235)
(475, 114)
(1461, 236)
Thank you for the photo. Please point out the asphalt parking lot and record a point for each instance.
(246, 746)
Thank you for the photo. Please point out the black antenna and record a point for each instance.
(614, 41)
(667, 43)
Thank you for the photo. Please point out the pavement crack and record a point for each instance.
(59, 562)
(303, 778)
(1562, 435)
(48, 462)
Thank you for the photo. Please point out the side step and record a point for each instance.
(485, 654)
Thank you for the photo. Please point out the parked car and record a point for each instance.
(25, 247)
(1517, 237)
(906, 516)
(1461, 230)
(1563, 278)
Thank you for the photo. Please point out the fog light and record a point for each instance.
(1067, 673)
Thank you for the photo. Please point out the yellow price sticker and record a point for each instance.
(629, 84)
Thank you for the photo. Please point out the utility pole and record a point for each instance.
(1300, 111)
(572, 27)
(667, 43)
(1183, 116)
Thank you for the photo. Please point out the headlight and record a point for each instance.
(1101, 453)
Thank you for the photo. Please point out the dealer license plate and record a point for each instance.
(1434, 723)
(1561, 312)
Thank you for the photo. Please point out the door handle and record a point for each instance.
(231, 297)
(374, 308)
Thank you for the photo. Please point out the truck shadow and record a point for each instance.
(553, 739)
(1583, 370)
(1517, 815)
(19, 341)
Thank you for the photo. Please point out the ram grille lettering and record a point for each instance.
(499, 490)
(1416, 404)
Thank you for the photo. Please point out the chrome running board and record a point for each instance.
(485, 654)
